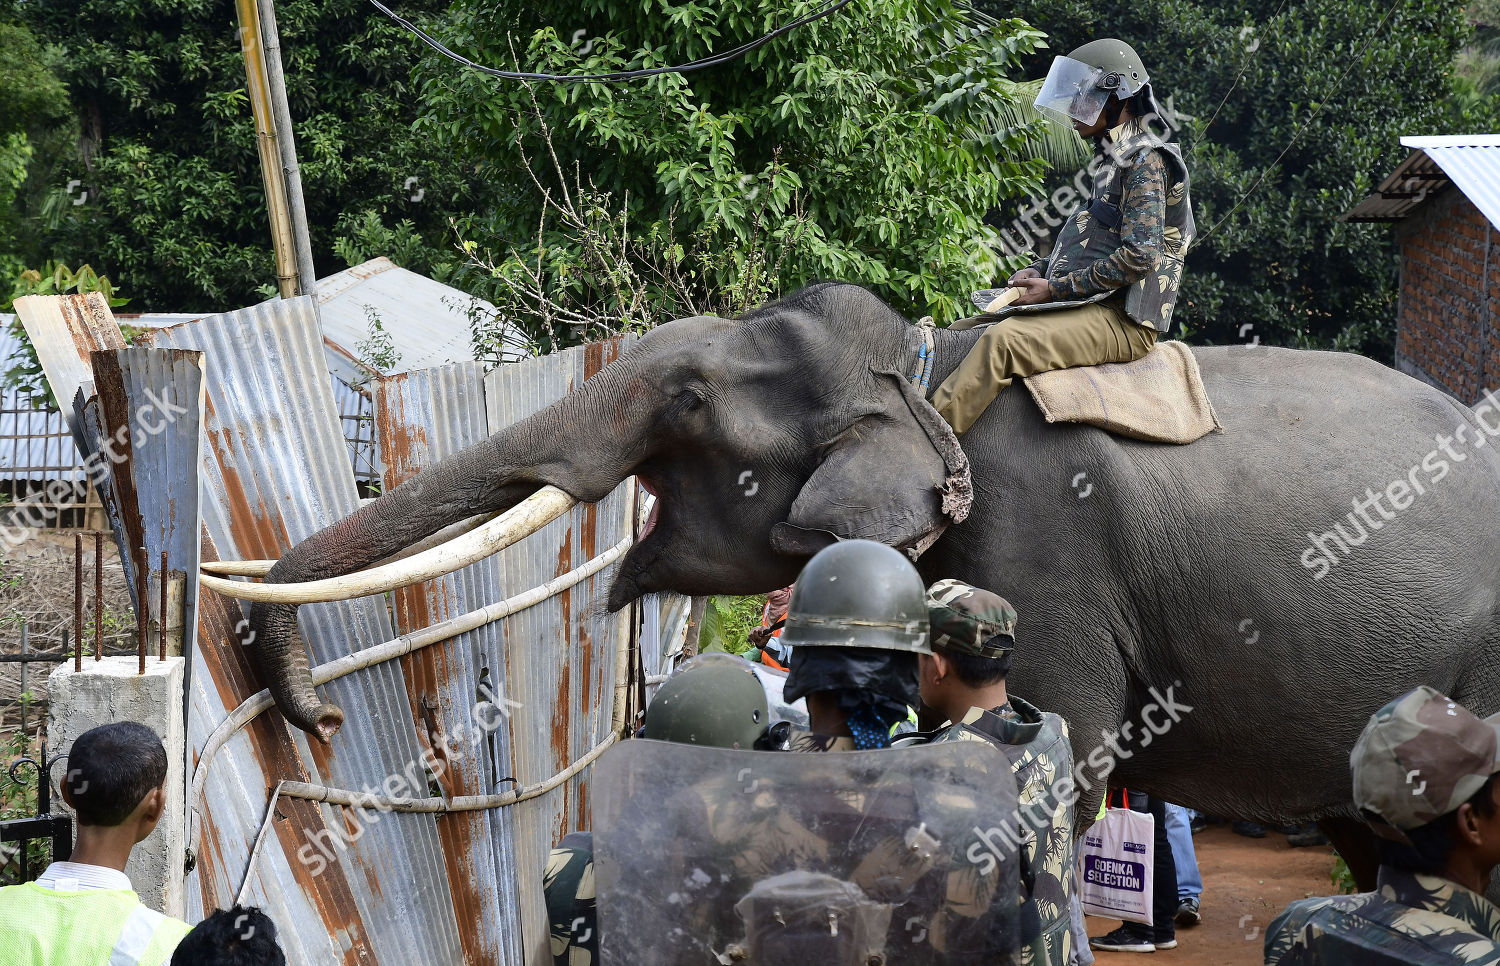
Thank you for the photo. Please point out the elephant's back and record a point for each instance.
(1271, 390)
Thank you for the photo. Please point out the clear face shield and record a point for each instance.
(1075, 91)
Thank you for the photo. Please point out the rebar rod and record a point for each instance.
(162, 611)
(98, 595)
(142, 607)
(77, 603)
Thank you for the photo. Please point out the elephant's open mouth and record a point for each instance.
(630, 580)
(652, 517)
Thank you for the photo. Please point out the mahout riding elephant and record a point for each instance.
(1256, 594)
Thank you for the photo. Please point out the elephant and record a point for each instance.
(1239, 591)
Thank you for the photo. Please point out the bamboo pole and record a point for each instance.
(286, 142)
(258, 88)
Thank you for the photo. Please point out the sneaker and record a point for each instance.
(1187, 913)
(1166, 944)
(1123, 940)
(1249, 830)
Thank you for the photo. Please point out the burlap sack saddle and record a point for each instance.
(1159, 398)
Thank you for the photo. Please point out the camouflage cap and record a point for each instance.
(1420, 757)
(968, 620)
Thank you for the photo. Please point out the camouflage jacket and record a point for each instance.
(1036, 742)
(1407, 919)
(568, 885)
(1134, 232)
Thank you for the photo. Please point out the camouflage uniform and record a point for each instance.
(568, 883)
(759, 838)
(967, 620)
(1407, 919)
(1114, 274)
(1145, 180)
(1420, 758)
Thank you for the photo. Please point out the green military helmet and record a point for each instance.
(1078, 85)
(1114, 57)
(858, 593)
(713, 699)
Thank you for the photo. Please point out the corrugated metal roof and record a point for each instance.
(426, 321)
(1469, 162)
(274, 473)
(153, 470)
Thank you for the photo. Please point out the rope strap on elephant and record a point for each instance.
(923, 373)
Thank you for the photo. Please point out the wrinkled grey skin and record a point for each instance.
(1179, 569)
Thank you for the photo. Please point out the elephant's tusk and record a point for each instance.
(521, 520)
(258, 568)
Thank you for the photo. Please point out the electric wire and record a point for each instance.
(1240, 74)
(1337, 88)
(613, 76)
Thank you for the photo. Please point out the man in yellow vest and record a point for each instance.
(84, 912)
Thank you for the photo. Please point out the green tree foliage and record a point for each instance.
(1298, 107)
(35, 105)
(727, 622)
(866, 146)
(175, 205)
(24, 371)
(1479, 63)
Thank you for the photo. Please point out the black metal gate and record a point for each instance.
(17, 834)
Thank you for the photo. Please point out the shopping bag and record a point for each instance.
(1115, 866)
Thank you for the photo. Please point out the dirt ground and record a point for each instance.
(1246, 884)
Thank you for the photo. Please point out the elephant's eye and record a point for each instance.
(688, 400)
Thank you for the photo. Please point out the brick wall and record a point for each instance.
(1449, 308)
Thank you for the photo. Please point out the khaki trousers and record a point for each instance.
(1029, 343)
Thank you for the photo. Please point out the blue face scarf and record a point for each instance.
(869, 729)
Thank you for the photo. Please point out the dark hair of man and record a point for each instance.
(978, 672)
(111, 768)
(231, 937)
(1432, 844)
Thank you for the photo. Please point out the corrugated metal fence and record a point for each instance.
(350, 885)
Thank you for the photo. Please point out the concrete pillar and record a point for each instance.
(110, 690)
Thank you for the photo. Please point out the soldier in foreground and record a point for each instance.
(713, 700)
(973, 636)
(860, 854)
(1424, 779)
(856, 624)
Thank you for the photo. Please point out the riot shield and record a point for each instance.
(774, 682)
(896, 857)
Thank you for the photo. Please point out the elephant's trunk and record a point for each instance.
(490, 476)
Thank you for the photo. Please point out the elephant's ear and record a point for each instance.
(896, 476)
